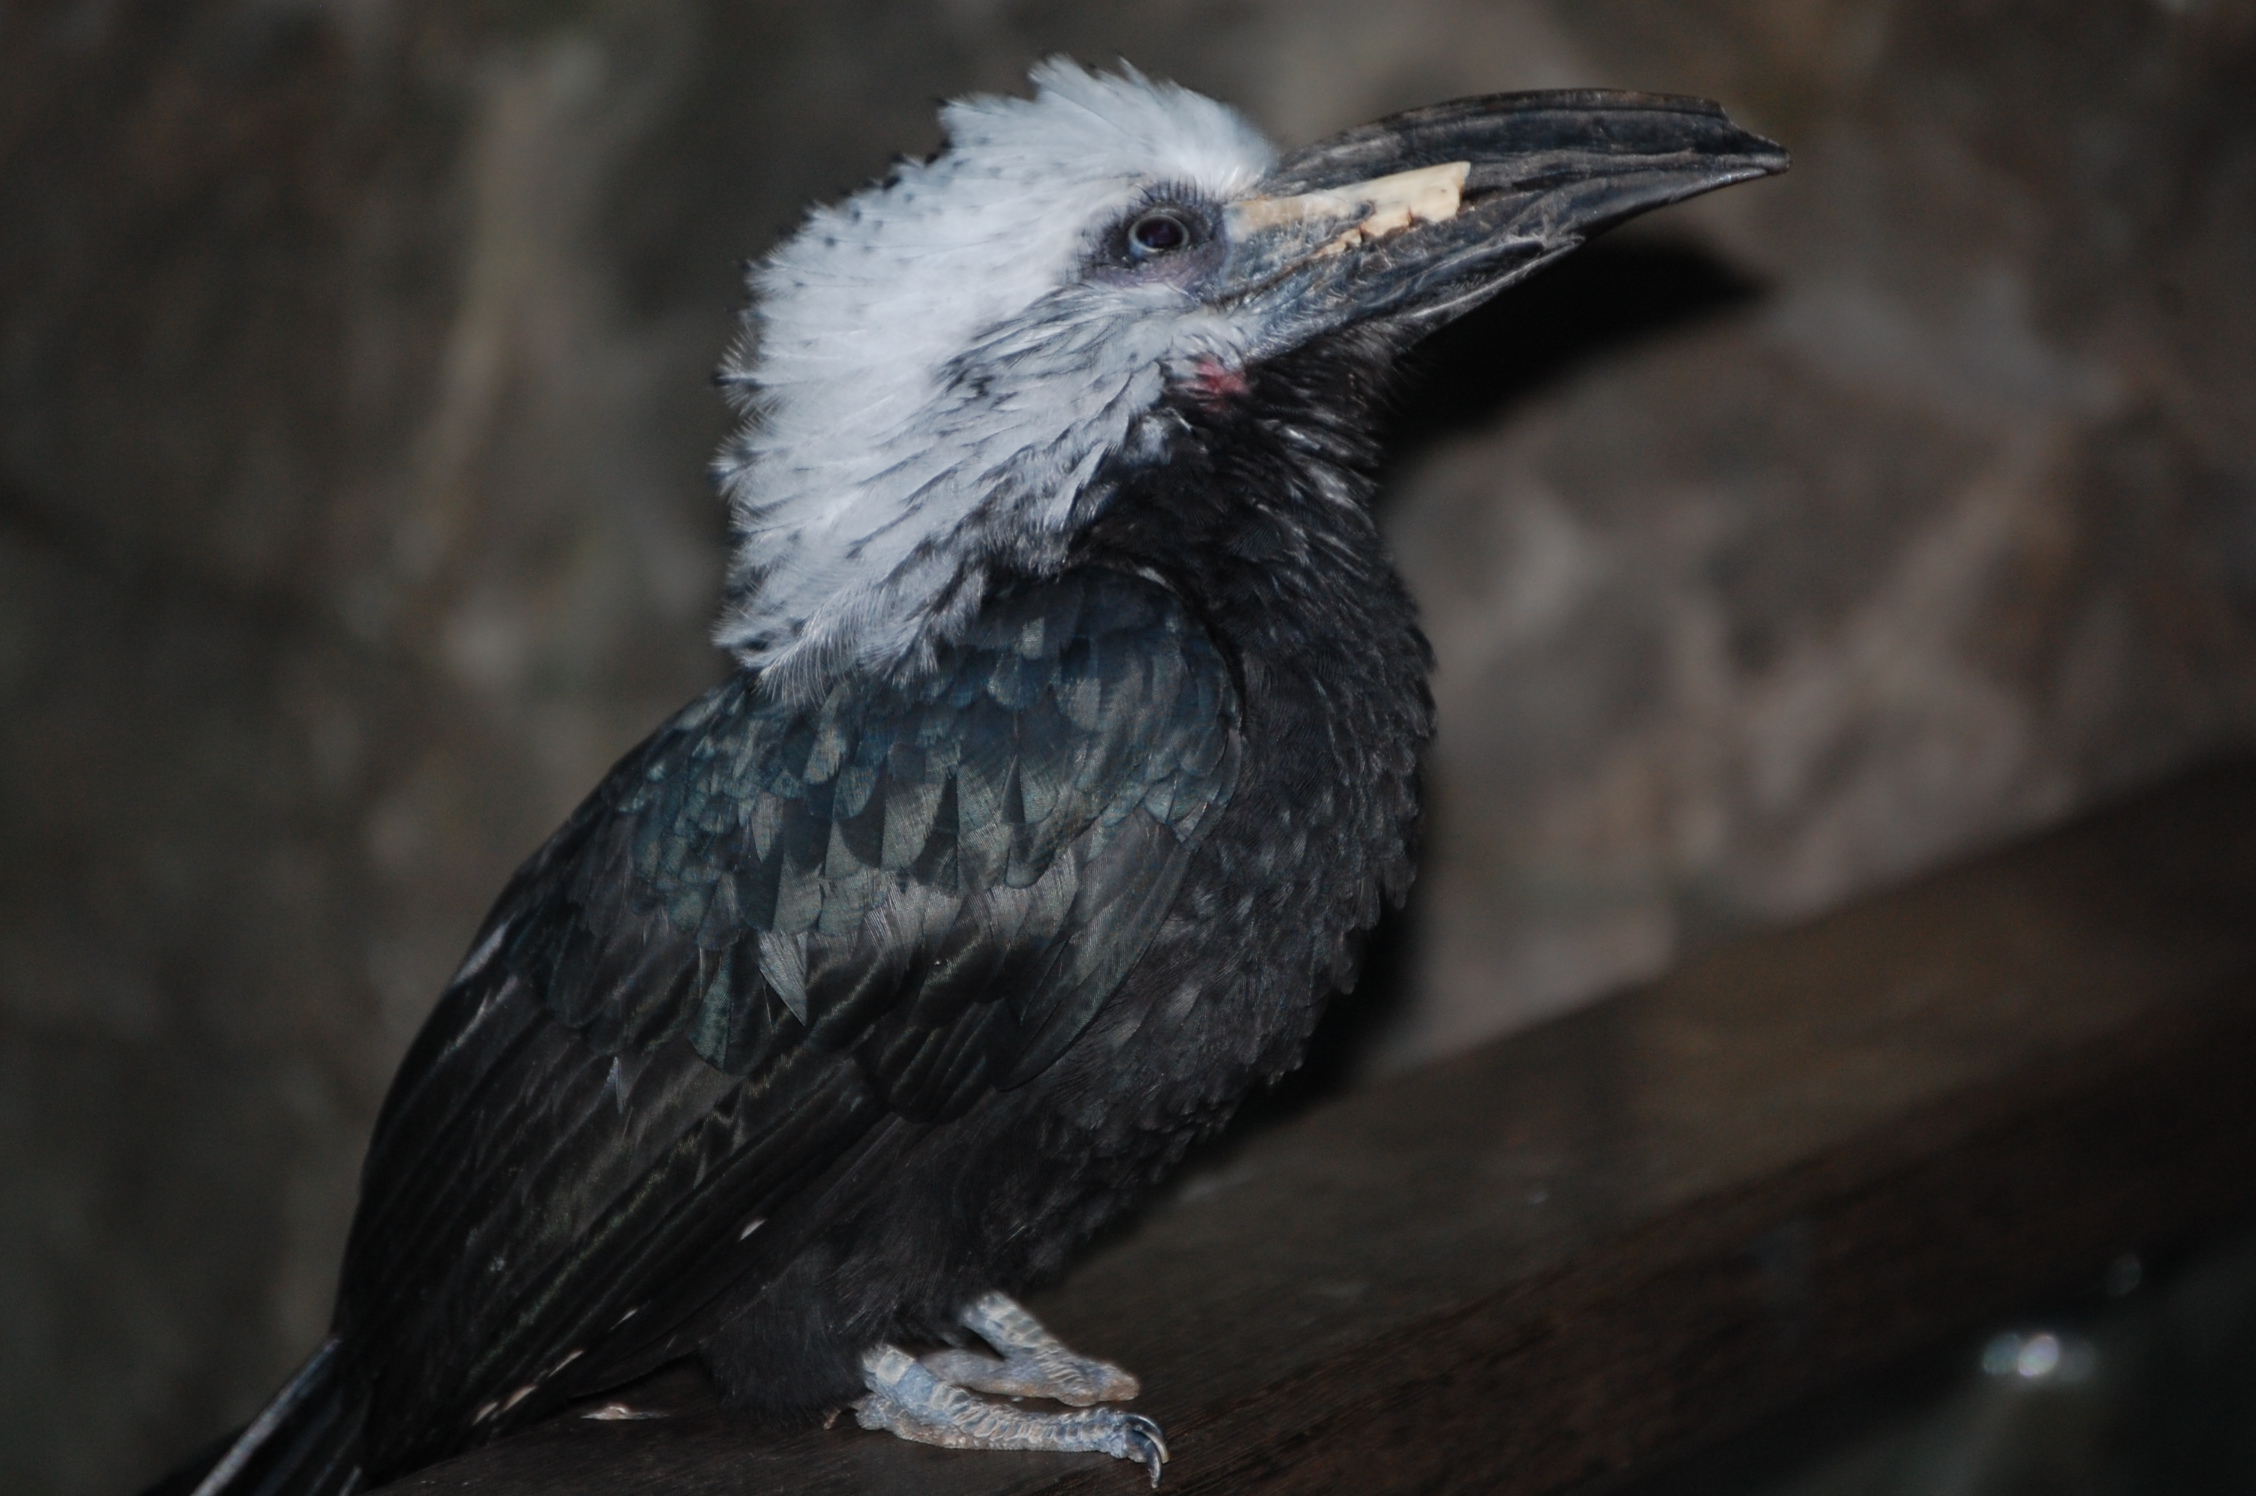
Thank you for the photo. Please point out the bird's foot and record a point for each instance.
(1036, 1363)
(906, 1398)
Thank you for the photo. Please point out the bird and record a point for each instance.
(1068, 752)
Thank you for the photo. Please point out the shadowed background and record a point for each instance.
(352, 418)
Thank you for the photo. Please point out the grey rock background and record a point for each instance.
(352, 420)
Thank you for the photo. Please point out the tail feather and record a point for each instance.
(306, 1442)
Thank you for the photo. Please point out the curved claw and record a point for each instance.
(1141, 1440)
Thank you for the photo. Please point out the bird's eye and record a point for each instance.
(1161, 231)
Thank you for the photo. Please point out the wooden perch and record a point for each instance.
(1633, 1230)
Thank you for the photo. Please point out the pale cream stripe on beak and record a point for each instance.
(1380, 206)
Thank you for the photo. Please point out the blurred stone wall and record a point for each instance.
(352, 418)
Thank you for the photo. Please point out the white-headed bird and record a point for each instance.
(1070, 751)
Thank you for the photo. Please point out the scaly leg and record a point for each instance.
(1037, 1364)
(907, 1399)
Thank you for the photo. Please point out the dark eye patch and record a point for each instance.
(1157, 232)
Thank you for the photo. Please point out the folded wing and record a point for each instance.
(772, 939)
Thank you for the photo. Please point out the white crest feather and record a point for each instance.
(931, 380)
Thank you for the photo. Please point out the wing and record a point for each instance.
(773, 938)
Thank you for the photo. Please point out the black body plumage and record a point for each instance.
(1067, 897)
(831, 1010)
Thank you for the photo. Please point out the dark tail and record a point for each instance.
(306, 1442)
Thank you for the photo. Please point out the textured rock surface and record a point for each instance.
(351, 425)
(1950, 528)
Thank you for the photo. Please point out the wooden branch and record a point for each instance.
(1638, 1228)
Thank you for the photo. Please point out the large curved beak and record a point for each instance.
(1418, 218)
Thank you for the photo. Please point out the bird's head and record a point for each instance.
(936, 372)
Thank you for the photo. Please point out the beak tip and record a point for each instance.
(1764, 157)
(1773, 162)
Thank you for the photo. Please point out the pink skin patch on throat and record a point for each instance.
(1215, 383)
